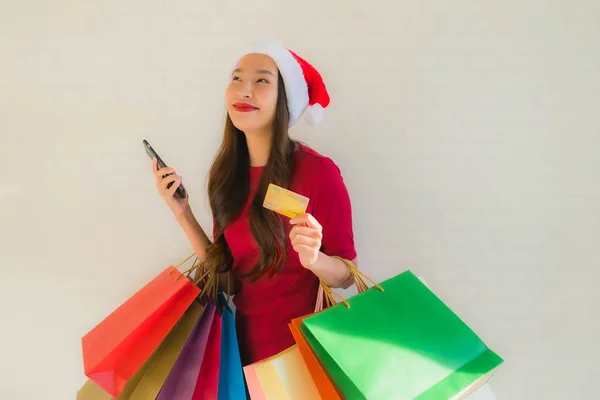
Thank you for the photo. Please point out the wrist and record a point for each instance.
(317, 266)
(186, 217)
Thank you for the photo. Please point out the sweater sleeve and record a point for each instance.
(332, 208)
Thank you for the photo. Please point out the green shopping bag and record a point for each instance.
(399, 341)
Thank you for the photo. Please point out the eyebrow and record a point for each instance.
(260, 71)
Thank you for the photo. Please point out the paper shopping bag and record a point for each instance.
(283, 376)
(159, 368)
(398, 341)
(207, 384)
(182, 378)
(325, 386)
(255, 391)
(320, 377)
(231, 374)
(148, 381)
(91, 391)
(117, 347)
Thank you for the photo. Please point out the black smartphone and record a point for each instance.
(180, 192)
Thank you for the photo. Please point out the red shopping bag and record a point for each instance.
(118, 346)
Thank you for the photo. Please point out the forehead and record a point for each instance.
(254, 62)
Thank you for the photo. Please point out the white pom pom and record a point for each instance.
(314, 114)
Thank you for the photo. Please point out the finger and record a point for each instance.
(154, 164)
(306, 219)
(307, 241)
(298, 219)
(302, 247)
(165, 182)
(312, 222)
(172, 189)
(305, 231)
(159, 173)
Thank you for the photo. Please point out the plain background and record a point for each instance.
(467, 132)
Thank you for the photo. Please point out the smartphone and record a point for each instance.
(180, 192)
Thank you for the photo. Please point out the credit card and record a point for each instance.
(285, 202)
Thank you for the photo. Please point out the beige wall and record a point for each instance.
(468, 133)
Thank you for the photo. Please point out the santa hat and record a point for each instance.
(304, 87)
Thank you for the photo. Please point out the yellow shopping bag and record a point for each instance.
(283, 376)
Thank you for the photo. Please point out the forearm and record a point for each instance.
(200, 242)
(195, 234)
(332, 271)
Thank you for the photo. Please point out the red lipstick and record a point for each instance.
(244, 107)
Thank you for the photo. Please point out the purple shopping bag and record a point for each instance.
(182, 379)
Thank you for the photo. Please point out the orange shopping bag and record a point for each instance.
(322, 381)
(321, 378)
(119, 345)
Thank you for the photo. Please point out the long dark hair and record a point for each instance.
(228, 190)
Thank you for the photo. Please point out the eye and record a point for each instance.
(262, 80)
(235, 78)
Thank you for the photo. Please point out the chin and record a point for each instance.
(243, 126)
(246, 125)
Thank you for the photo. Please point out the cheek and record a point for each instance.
(267, 97)
(229, 94)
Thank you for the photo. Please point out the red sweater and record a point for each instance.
(265, 307)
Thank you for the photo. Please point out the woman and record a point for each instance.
(276, 262)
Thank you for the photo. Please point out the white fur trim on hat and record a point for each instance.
(314, 114)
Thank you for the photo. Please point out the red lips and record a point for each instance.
(244, 107)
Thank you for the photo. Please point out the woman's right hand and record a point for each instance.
(164, 176)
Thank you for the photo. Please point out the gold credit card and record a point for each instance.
(285, 202)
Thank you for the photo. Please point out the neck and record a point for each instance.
(259, 147)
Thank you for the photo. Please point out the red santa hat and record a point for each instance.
(304, 87)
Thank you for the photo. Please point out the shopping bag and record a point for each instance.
(231, 375)
(207, 384)
(158, 370)
(115, 349)
(398, 340)
(91, 391)
(283, 376)
(321, 379)
(287, 376)
(146, 383)
(182, 378)
(483, 393)
(255, 391)
(195, 374)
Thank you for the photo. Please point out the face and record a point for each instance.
(251, 95)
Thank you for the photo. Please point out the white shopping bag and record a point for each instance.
(484, 393)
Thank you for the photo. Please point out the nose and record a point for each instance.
(246, 90)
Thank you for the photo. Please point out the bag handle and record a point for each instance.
(358, 275)
(208, 280)
(188, 271)
(326, 294)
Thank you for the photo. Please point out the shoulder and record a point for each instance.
(311, 162)
(316, 173)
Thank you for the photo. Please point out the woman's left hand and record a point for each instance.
(306, 236)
